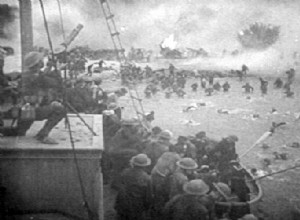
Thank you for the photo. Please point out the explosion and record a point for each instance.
(259, 36)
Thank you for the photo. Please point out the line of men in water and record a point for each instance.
(157, 179)
(175, 83)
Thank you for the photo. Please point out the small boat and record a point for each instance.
(238, 209)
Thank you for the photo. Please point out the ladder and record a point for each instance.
(115, 36)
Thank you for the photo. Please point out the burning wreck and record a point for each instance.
(169, 50)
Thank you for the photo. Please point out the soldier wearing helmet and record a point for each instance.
(225, 151)
(134, 196)
(123, 145)
(193, 203)
(163, 169)
(156, 148)
(185, 170)
(42, 92)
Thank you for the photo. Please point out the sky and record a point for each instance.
(210, 24)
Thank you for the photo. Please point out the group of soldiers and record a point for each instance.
(174, 81)
(158, 179)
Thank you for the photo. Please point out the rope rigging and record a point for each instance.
(82, 190)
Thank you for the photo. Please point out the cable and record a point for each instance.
(61, 20)
(47, 30)
(90, 216)
(86, 205)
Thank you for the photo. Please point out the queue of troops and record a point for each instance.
(174, 82)
(158, 179)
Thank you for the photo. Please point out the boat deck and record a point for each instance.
(83, 138)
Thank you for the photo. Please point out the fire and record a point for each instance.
(169, 42)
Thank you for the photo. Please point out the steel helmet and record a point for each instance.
(187, 163)
(140, 160)
(196, 187)
(33, 58)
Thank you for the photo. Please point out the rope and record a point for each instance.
(84, 198)
(85, 203)
(47, 29)
(61, 20)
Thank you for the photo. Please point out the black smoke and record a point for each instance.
(259, 36)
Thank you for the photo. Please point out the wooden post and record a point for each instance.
(26, 28)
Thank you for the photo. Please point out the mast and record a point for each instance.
(26, 28)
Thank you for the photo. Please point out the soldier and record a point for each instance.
(156, 148)
(263, 86)
(222, 193)
(155, 131)
(134, 197)
(200, 141)
(226, 87)
(211, 79)
(217, 86)
(124, 144)
(194, 203)
(6, 90)
(239, 74)
(203, 82)
(153, 88)
(245, 69)
(194, 87)
(180, 93)
(225, 152)
(100, 63)
(172, 69)
(43, 94)
(168, 93)
(148, 71)
(291, 75)
(209, 91)
(248, 88)
(185, 148)
(181, 81)
(185, 170)
(147, 92)
(278, 83)
(165, 166)
(288, 91)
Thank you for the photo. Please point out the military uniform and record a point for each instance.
(226, 87)
(155, 149)
(248, 88)
(160, 176)
(41, 91)
(185, 207)
(134, 196)
(122, 147)
(186, 149)
(177, 180)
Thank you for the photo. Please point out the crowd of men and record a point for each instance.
(158, 179)
(173, 81)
